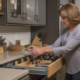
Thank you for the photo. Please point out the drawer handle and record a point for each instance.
(23, 15)
(26, 16)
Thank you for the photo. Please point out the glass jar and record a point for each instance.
(0, 5)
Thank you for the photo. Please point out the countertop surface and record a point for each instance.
(12, 74)
(12, 55)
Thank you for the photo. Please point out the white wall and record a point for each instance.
(13, 33)
(77, 3)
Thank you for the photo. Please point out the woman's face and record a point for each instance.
(65, 21)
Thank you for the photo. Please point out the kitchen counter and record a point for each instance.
(12, 74)
(12, 55)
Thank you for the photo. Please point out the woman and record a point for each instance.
(68, 42)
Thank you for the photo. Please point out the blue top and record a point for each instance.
(70, 47)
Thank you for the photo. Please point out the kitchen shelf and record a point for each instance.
(1, 13)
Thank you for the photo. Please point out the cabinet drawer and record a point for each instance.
(55, 66)
(49, 70)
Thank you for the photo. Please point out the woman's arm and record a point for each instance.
(57, 43)
(36, 51)
(70, 45)
(47, 49)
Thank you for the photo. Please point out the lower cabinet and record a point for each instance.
(63, 72)
(49, 70)
(57, 77)
(53, 71)
(30, 77)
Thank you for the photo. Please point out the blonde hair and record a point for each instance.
(70, 11)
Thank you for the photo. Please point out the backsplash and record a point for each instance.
(13, 33)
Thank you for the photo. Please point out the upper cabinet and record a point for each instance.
(35, 12)
(32, 12)
(14, 11)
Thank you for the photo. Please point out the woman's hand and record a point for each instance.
(36, 51)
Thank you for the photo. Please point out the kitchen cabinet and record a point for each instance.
(35, 12)
(10, 57)
(32, 12)
(14, 11)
